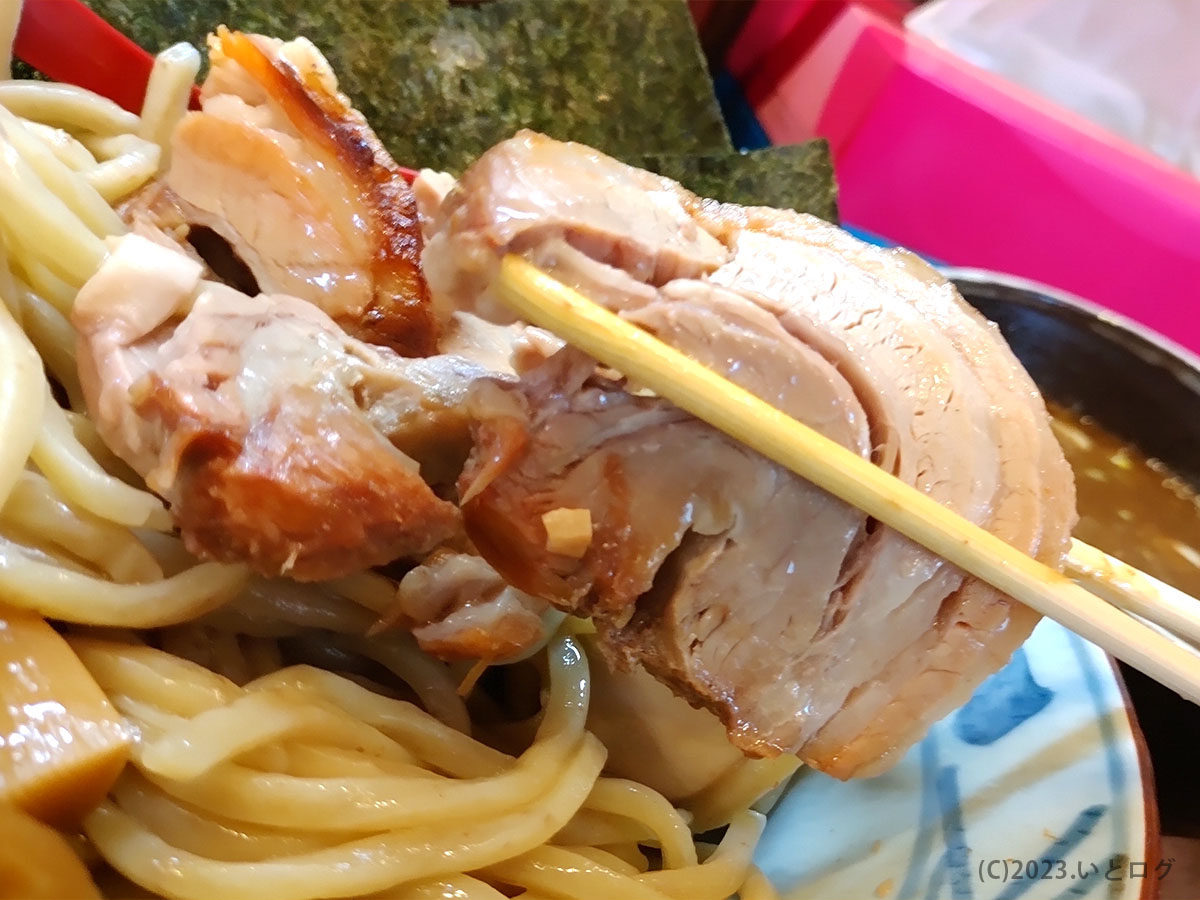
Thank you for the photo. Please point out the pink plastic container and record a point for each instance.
(962, 166)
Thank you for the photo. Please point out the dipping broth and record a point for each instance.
(1131, 506)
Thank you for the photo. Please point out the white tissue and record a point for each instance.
(1132, 66)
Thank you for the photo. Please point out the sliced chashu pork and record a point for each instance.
(278, 165)
(458, 607)
(252, 417)
(281, 441)
(805, 626)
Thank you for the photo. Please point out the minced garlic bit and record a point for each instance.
(568, 531)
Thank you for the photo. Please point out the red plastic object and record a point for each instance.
(965, 167)
(66, 41)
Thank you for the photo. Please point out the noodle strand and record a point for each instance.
(75, 193)
(39, 222)
(62, 594)
(23, 398)
(66, 106)
(167, 95)
(35, 508)
(76, 475)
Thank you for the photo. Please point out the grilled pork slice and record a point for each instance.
(458, 607)
(262, 423)
(804, 625)
(278, 166)
(283, 442)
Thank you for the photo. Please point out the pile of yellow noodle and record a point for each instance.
(249, 779)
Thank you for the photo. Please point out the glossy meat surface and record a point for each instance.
(805, 626)
(283, 442)
(251, 415)
(458, 607)
(282, 169)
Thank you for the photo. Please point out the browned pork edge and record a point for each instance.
(401, 316)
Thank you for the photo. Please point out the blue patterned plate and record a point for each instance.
(1032, 791)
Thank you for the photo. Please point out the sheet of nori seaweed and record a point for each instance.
(442, 83)
(797, 176)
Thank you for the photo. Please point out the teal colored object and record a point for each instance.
(1064, 783)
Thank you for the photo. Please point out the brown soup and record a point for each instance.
(1130, 506)
(1136, 509)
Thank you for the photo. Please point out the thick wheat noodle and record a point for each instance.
(207, 647)
(262, 656)
(347, 804)
(41, 225)
(357, 867)
(432, 682)
(54, 338)
(278, 608)
(628, 798)
(88, 600)
(722, 873)
(171, 691)
(66, 106)
(322, 605)
(757, 887)
(213, 696)
(123, 173)
(261, 717)
(36, 509)
(630, 854)
(9, 294)
(152, 722)
(54, 290)
(23, 397)
(367, 589)
(738, 788)
(77, 476)
(167, 95)
(432, 741)
(201, 832)
(559, 872)
(351, 804)
(156, 678)
(124, 163)
(15, 545)
(594, 828)
(460, 887)
(68, 185)
(225, 656)
(63, 146)
(393, 857)
(329, 761)
(239, 657)
(89, 438)
(607, 858)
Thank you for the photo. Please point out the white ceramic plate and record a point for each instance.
(1037, 775)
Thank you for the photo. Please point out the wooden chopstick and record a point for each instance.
(1135, 591)
(543, 301)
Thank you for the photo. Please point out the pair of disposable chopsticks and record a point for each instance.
(543, 301)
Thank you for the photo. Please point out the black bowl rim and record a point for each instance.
(1139, 337)
(1157, 350)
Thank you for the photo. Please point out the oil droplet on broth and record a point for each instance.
(1131, 506)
